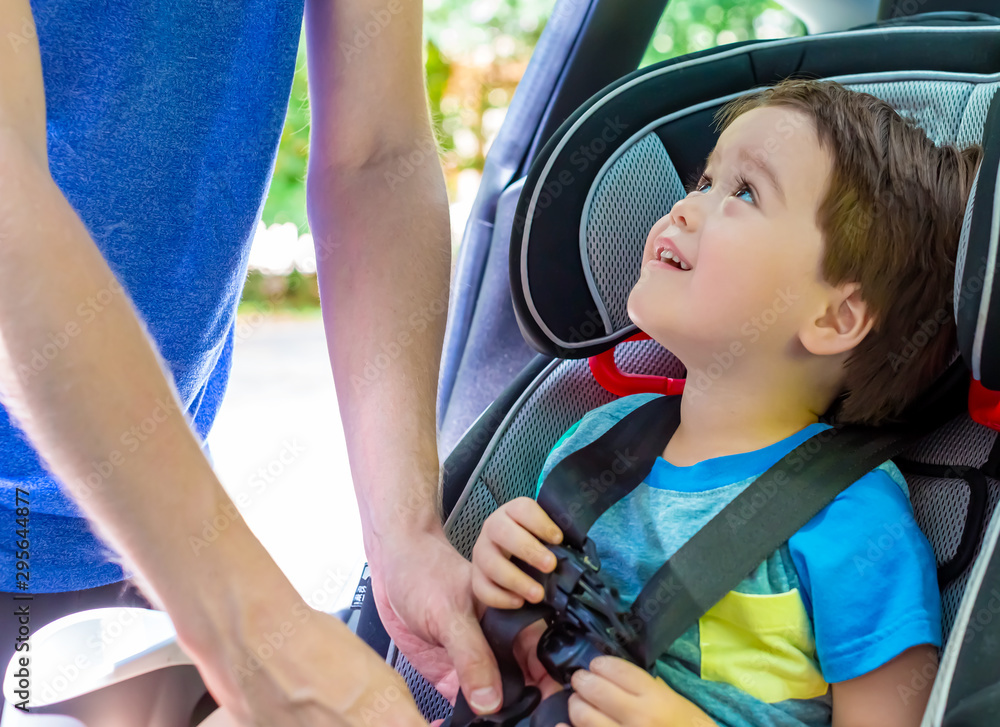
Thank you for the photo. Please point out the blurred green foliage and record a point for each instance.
(267, 293)
(286, 198)
(476, 52)
(693, 25)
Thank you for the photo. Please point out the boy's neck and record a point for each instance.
(725, 420)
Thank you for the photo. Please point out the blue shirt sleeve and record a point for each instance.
(868, 577)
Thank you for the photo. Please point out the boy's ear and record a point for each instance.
(842, 326)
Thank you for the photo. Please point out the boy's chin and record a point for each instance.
(655, 332)
(659, 333)
(640, 314)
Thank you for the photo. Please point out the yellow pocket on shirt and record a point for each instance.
(761, 644)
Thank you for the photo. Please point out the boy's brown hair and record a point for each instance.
(891, 220)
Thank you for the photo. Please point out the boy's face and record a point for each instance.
(748, 232)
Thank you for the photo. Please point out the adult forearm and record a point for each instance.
(383, 257)
(378, 207)
(82, 378)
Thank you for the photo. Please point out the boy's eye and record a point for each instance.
(744, 189)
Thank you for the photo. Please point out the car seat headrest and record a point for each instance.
(615, 167)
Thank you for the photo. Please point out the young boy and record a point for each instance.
(824, 214)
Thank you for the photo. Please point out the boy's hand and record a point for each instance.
(515, 529)
(616, 692)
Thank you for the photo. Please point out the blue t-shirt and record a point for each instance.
(852, 589)
(163, 123)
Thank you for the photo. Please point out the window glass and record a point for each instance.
(693, 25)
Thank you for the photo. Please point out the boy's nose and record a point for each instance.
(682, 215)
(688, 211)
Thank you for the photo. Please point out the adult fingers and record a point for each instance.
(477, 669)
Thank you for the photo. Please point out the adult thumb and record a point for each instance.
(478, 674)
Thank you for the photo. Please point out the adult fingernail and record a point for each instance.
(486, 699)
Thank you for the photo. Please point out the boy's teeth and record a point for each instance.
(669, 255)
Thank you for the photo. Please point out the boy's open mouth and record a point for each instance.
(670, 259)
(666, 252)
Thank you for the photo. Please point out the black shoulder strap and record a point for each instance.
(751, 527)
(581, 487)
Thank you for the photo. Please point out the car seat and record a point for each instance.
(577, 222)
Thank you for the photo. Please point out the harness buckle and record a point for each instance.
(587, 622)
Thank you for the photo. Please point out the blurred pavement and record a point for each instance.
(279, 450)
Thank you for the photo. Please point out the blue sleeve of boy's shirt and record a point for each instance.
(869, 578)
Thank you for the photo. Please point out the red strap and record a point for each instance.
(608, 375)
(984, 405)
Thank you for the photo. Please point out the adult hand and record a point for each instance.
(423, 590)
(307, 669)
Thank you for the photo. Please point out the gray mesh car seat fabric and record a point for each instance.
(634, 186)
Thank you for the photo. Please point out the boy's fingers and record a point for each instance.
(529, 514)
(606, 696)
(625, 674)
(508, 576)
(512, 537)
(584, 714)
(489, 594)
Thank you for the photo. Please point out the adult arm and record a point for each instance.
(378, 210)
(228, 599)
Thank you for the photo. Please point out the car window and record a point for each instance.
(693, 25)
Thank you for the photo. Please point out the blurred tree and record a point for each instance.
(286, 198)
(692, 25)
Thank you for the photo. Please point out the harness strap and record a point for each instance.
(581, 487)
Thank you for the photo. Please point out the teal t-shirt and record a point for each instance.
(852, 589)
